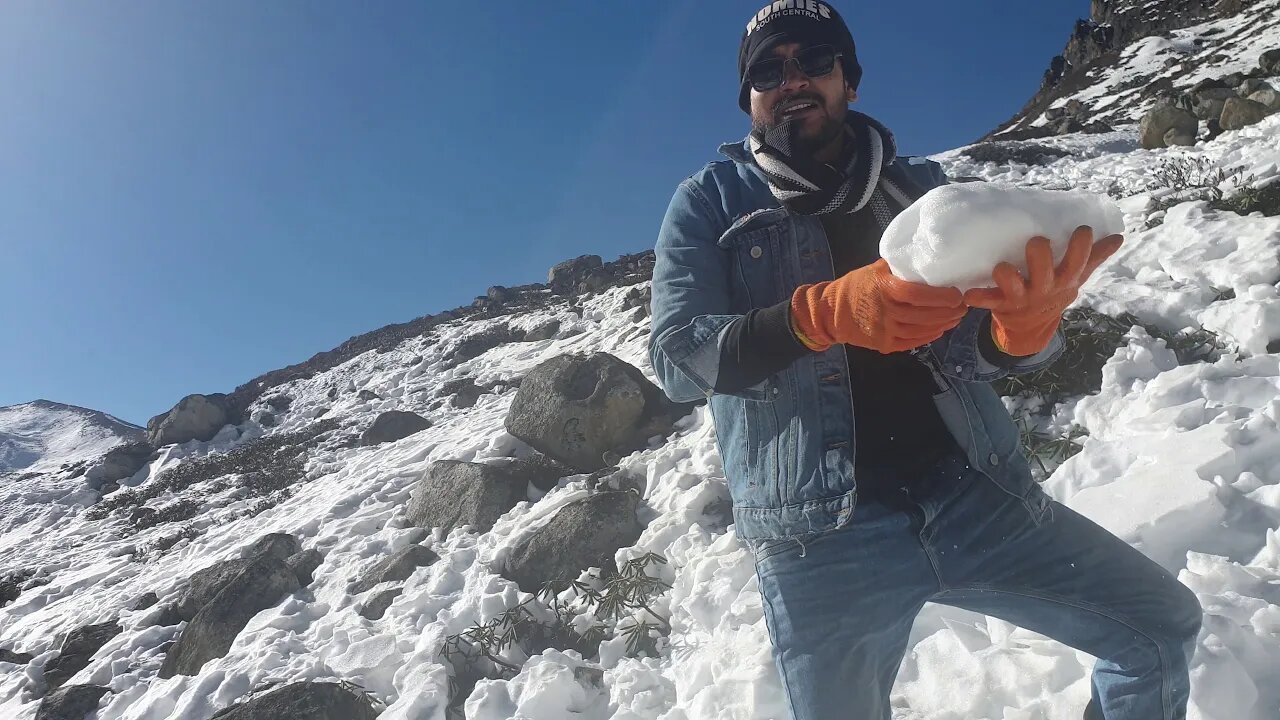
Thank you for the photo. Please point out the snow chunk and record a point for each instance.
(955, 235)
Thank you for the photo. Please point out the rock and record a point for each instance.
(73, 702)
(1239, 113)
(1178, 136)
(539, 470)
(1270, 62)
(583, 534)
(452, 493)
(304, 565)
(119, 463)
(497, 294)
(1232, 80)
(1251, 86)
(575, 408)
(367, 396)
(11, 586)
(144, 602)
(195, 417)
(303, 701)
(1208, 103)
(464, 392)
(569, 273)
(281, 546)
(279, 403)
(76, 652)
(545, 331)
(264, 418)
(1268, 98)
(395, 568)
(16, 658)
(1157, 123)
(1206, 84)
(261, 583)
(376, 606)
(392, 426)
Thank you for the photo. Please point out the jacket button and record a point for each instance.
(959, 369)
(994, 459)
(756, 251)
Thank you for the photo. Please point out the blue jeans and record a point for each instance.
(839, 605)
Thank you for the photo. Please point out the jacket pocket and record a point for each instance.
(755, 242)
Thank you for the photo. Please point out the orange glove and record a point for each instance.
(1025, 313)
(872, 308)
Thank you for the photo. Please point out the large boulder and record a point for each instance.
(303, 701)
(582, 535)
(1240, 112)
(205, 585)
(73, 702)
(195, 417)
(453, 493)
(577, 408)
(375, 607)
(76, 652)
(1162, 119)
(304, 565)
(392, 426)
(17, 658)
(398, 566)
(119, 463)
(1207, 104)
(260, 584)
(570, 274)
(1270, 62)
(1179, 136)
(1267, 97)
(1251, 86)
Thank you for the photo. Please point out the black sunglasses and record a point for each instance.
(814, 62)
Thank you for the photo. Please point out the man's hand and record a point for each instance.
(1026, 312)
(872, 308)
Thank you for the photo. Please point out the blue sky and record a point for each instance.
(193, 193)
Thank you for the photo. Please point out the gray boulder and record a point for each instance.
(1251, 86)
(303, 701)
(569, 273)
(73, 702)
(260, 584)
(119, 463)
(265, 418)
(1239, 113)
(392, 426)
(576, 408)
(1178, 136)
(195, 417)
(376, 606)
(582, 535)
(544, 331)
(1267, 97)
(76, 652)
(398, 566)
(1270, 62)
(1157, 124)
(281, 546)
(453, 493)
(304, 565)
(204, 585)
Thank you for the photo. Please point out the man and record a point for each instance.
(872, 467)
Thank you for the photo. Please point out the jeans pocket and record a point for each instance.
(762, 550)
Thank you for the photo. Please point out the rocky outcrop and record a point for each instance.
(577, 408)
(398, 566)
(582, 535)
(375, 607)
(582, 274)
(392, 426)
(303, 701)
(304, 565)
(119, 463)
(17, 658)
(195, 417)
(73, 702)
(453, 493)
(76, 652)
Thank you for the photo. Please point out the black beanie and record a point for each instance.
(807, 22)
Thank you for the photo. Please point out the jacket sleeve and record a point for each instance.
(966, 351)
(691, 301)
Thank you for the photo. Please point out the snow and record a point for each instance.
(1181, 461)
(955, 235)
(41, 436)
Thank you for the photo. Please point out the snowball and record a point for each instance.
(955, 235)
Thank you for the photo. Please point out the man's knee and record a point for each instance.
(1184, 615)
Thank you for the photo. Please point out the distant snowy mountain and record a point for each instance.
(347, 539)
(41, 436)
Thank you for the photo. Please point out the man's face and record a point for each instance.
(816, 106)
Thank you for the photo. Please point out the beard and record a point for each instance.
(800, 140)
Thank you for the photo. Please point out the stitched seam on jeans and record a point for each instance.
(786, 686)
(1166, 700)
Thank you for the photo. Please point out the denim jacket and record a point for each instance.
(726, 246)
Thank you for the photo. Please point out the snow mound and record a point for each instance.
(955, 235)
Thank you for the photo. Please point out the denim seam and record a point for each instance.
(1165, 691)
(786, 685)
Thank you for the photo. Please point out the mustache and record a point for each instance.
(798, 98)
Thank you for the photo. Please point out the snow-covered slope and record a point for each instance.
(1182, 460)
(42, 436)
